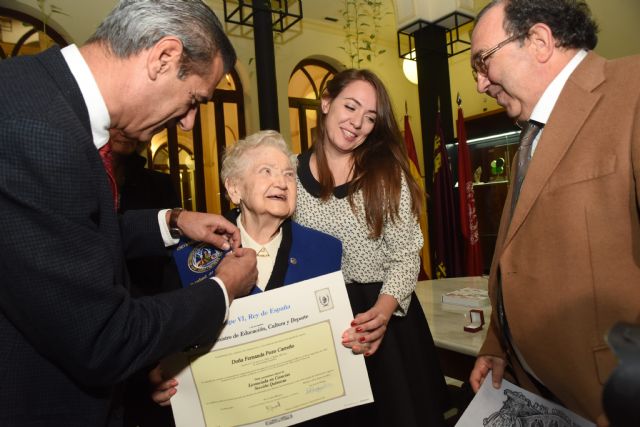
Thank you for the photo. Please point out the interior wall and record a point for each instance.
(298, 43)
(313, 38)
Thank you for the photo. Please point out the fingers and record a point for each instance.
(209, 228)
(361, 348)
(363, 318)
(363, 342)
(369, 321)
(373, 347)
(478, 374)
(219, 241)
(238, 272)
(162, 389)
(497, 373)
(163, 392)
(361, 335)
(481, 369)
(234, 241)
(368, 328)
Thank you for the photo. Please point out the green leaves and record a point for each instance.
(362, 20)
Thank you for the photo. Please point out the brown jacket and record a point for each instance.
(569, 261)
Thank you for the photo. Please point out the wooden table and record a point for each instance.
(457, 349)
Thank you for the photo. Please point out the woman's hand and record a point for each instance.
(162, 389)
(368, 328)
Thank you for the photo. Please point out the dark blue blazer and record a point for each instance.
(69, 330)
(304, 253)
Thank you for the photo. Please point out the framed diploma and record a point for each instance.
(277, 362)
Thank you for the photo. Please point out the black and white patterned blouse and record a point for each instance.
(392, 259)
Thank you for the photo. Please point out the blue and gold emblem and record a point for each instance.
(203, 258)
(196, 261)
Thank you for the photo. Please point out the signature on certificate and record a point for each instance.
(273, 406)
(318, 388)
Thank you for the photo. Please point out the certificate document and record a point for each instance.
(278, 361)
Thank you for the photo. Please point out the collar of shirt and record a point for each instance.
(544, 107)
(265, 262)
(98, 113)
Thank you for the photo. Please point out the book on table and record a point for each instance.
(467, 297)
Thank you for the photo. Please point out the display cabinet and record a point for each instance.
(491, 151)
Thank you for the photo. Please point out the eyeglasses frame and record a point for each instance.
(478, 65)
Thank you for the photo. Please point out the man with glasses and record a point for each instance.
(567, 259)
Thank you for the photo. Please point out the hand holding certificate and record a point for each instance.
(278, 361)
(512, 405)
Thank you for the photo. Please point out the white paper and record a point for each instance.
(513, 406)
(278, 361)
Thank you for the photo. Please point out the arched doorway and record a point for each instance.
(23, 34)
(306, 84)
(160, 163)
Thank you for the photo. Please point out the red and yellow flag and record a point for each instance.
(425, 255)
(468, 218)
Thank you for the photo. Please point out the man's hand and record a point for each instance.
(238, 272)
(483, 365)
(210, 228)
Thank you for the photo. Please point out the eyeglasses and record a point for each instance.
(478, 61)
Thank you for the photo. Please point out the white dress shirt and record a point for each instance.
(542, 111)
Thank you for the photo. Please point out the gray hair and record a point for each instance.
(137, 25)
(236, 158)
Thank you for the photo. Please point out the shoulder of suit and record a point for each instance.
(627, 63)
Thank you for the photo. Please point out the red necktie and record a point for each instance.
(107, 160)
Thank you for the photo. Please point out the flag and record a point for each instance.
(468, 218)
(446, 253)
(425, 255)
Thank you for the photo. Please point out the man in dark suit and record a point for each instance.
(143, 188)
(566, 266)
(70, 333)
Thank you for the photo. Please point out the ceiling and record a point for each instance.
(320, 10)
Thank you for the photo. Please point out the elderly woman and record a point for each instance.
(259, 173)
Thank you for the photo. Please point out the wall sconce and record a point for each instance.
(284, 13)
(455, 44)
(410, 67)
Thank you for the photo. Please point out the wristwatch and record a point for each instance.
(174, 230)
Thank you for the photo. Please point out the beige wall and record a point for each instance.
(304, 40)
(617, 19)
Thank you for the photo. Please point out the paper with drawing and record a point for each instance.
(514, 406)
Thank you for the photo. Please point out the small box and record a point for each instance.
(476, 317)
